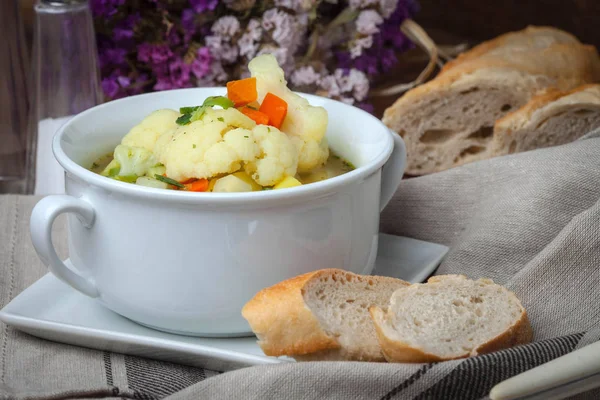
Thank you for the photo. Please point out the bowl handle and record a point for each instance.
(393, 170)
(43, 216)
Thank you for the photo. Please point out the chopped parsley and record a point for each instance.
(94, 165)
(191, 114)
(221, 119)
(169, 181)
(193, 146)
(246, 137)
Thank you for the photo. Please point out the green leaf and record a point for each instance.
(184, 119)
(169, 181)
(188, 110)
(220, 101)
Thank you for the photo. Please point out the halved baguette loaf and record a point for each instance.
(550, 119)
(449, 120)
(322, 315)
(450, 317)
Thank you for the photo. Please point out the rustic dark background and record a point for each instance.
(451, 22)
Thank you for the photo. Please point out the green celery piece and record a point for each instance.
(220, 101)
(126, 178)
(196, 115)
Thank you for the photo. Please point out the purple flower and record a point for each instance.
(368, 22)
(123, 81)
(105, 8)
(180, 73)
(123, 31)
(112, 56)
(200, 6)
(226, 26)
(110, 87)
(201, 66)
(188, 23)
(154, 53)
(305, 76)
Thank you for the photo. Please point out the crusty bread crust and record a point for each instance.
(518, 333)
(282, 322)
(285, 325)
(519, 118)
(517, 65)
(530, 37)
(395, 350)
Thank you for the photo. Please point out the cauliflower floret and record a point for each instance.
(130, 162)
(306, 122)
(205, 149)
(146, 133)
(230, 116)
(279, 156)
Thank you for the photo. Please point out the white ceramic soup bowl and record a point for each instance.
(187, 262)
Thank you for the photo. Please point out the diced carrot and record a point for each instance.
(259, 117)
(276, 108)
(242, 92)
(199, 185)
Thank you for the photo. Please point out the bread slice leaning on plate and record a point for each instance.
(450, 317)
(321, 315)
(550, 119)
(449, 120)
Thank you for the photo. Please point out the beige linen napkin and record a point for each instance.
(530, 221)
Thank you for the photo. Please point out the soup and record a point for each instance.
(260, 136)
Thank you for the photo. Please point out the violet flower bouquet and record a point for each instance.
(330, 47)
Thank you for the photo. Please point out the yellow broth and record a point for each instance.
(335, 166)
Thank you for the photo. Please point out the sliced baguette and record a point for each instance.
(449, 120)
(322, 315)
(550, 119)
(450, 317)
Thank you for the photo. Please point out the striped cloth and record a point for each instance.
(529, 221)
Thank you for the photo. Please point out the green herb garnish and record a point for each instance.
(246, 137)
(169, 181)
(184, 119)
(252, 108)
(188, 110)
(220, 101)
(191, 114)
(193, 146)
(221, 119)
(94, 165)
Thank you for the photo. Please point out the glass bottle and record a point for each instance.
(65, 78)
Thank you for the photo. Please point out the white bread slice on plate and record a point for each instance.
(450, 317)
(449, 120)
(321, 315)
(550, 119)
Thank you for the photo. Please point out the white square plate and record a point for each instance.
(51, 310)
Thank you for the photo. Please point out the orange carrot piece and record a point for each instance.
(276, 108)
(199, 185)
(259, 117)
(242, 92)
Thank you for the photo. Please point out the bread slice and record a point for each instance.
(321, 315)
(450, 317)
(449, 120)
(550, 119)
